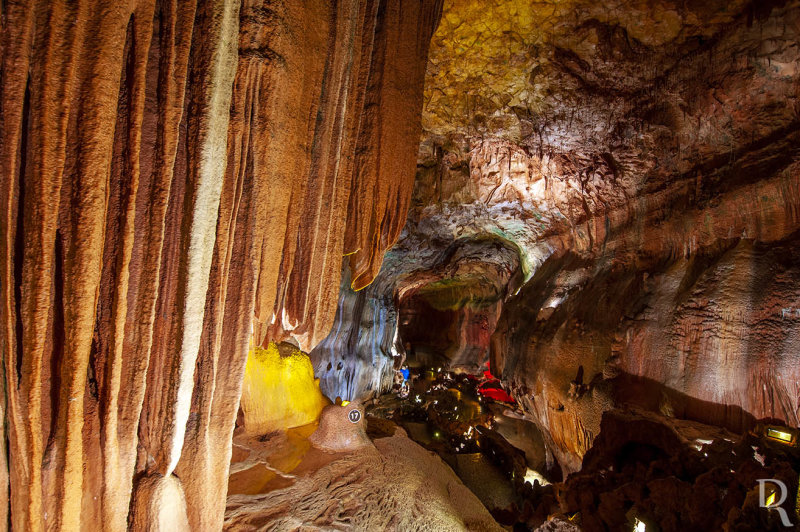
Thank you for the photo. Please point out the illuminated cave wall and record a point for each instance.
(180, 178)
(366, 344)
(642, 160)
(448, 322)
(357, 358)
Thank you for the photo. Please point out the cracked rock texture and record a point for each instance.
(175, 182)
(641, 161)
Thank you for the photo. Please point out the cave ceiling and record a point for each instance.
(543, 116)
(495, 67)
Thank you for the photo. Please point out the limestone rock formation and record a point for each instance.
(606, 211)
(160, 505)
(395, 485)
(677, 475)
(446, 300)
(341, 428)
(176, 180)
(279, 391)
(665, 281)
(641, 160)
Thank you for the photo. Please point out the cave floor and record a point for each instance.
(266, 463)
(488, 443)
(281, 482)
(437, 460)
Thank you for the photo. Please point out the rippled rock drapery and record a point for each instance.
(467, 279)
(357, 358)
(165, 195)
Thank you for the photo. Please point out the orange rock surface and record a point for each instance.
(174, 177)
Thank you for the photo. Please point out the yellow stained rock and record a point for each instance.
(279, 390)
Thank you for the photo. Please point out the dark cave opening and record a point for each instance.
(427, 334)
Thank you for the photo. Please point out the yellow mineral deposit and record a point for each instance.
(279, 391)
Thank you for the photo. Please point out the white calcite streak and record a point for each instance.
(212, 147)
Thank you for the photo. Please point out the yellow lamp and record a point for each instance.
(780, 435)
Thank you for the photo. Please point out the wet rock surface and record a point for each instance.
(446, 413)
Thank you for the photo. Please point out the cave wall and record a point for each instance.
(664, 260)
(176, 178)
(467, 280)
(672, 287)
(448, 322)
(641, 159)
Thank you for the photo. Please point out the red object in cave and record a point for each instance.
(488, 372)
(498, 394)
(492, 388)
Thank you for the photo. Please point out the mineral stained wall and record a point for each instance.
(175, 181)
(642, 160)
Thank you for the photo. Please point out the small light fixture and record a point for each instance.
(780, 435)
(639, 526)
(534, 476)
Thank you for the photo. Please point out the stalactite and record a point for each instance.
(358, 171)
(174, 175)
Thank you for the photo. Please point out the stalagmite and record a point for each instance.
(279, 390)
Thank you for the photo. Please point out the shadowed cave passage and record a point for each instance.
(427, 333)
(446, 315)
(403, 265)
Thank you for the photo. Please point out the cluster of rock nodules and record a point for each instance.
(648, 177)
(177, 175)
(677, 475)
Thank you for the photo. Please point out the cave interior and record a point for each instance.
(403, 265)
